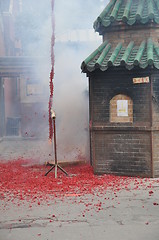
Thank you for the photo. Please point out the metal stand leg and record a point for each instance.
(62, 170)
(49, 170)
(56, 166)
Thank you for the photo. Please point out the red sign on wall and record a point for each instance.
(141, 80)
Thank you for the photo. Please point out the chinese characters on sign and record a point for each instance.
(122, 108)
(141, 80)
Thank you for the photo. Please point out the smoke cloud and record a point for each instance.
(75, 39)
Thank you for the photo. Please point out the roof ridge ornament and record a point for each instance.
(127, 11)
(150, 10)
(115, 10)
(139, 53)
(127, 53)
(150, 51)
(114, 54)
(139, 10)
(103, 54)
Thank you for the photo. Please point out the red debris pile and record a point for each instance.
(22, 181)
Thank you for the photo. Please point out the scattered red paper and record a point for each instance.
(150, 192)
(22, 181)
(155, 204)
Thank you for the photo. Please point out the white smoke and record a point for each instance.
(75, 39)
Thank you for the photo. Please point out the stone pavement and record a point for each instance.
(127, 215)
(15, 147)
(41, 150)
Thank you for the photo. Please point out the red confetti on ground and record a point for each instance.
(150, 193)
(20, 180)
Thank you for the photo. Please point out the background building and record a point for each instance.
(25, 35)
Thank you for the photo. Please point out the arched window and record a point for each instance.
(121, 109)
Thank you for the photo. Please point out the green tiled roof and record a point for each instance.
(105, 56)
(128, 11)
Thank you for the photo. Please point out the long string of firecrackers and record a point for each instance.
(51, 73)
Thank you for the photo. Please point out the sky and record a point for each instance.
(77, 14)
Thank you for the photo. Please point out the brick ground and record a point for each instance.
(13, 148)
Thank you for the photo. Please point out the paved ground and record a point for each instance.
(41, 149)
(15, 147)
(127, 215)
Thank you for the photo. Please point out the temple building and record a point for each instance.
(123, 77)
(23, 99)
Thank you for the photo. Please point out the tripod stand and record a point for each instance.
(55, 165)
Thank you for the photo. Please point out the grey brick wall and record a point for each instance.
(123, 153)
(155, 124)
(127, 34)
(121, 148)
(106, 87)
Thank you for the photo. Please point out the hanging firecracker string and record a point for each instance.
(51, 74)
(50, 120)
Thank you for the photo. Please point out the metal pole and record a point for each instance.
(56, 166)
(54, 127)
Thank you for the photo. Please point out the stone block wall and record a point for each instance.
(155, 124)
(122, 153)
(136, 34)
(120, 147)
(104, 87)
